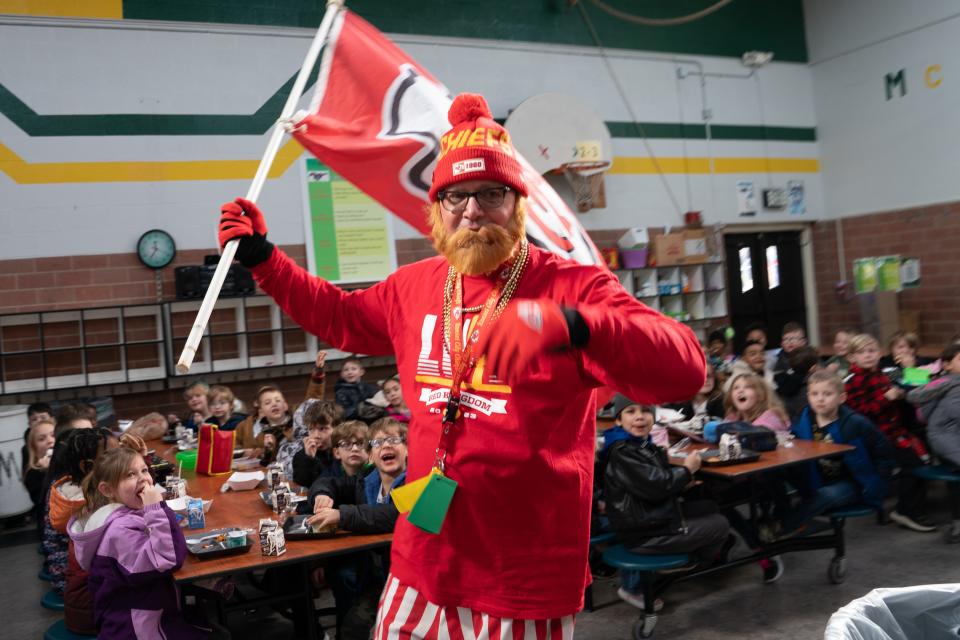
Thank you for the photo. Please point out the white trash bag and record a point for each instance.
(925, 612)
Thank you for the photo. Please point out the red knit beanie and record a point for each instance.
(477, 148)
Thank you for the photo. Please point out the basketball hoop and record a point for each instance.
(586, 180)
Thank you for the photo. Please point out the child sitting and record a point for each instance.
(315, 457)
(78, 415)
(750, 399)
(198, 409)
(260, 434)
(939, 404)
(396, 407)
(902, 347)
(861, 475)
(708, 401)
(838, 362)
(624, 411)
(351, 390)
(40, 443)
(642, 491)
(792, 338)
(792, 383)
(129, 541)
(870, 392)
(350, 448)
(220, 400)
(74, 456)
(753, 359)
(361, 503)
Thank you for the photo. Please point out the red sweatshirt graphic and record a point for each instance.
(515, 540)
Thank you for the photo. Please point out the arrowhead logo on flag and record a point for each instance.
(376, 118)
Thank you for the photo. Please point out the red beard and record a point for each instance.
(477, 252)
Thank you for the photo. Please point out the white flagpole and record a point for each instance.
(273, 146)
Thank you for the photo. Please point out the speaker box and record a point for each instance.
(192, 282)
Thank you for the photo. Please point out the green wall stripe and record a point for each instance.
(744, 25)
(717, 132)
(147, 124)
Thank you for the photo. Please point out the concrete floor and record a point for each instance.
(734, 604)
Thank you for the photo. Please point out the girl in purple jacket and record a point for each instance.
(128, 540)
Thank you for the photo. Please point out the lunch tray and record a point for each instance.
(211, 547)
(293, 529)
(711, 458)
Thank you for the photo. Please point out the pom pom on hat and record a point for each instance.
(468, 107)
(476, 148)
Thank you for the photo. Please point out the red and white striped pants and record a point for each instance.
(404, 614)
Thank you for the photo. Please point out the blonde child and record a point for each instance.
(838, 362)
(128, 539)
(871, 393)
(198, 409)
(220, 400)
(750, 399)
(40, 443)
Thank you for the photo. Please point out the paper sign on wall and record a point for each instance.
(746, 198)
(910, 273)
(796, 199)
(349, 235)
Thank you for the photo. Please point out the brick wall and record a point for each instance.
(931, 233)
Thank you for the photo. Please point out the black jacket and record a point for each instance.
(643, 490)
(349, 496)
(350, 394)
(306, 470)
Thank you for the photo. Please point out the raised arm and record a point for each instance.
(353, 321)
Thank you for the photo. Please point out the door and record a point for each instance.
(764, 282)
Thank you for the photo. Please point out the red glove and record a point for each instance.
(242, 219)
(526, 329)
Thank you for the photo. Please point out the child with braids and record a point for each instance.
(74, 454)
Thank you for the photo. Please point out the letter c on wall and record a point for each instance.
(931, 76)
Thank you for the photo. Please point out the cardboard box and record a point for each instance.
(634, 238)
(668, 249)
(695, 249)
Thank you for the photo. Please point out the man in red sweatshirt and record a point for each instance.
(500, 346)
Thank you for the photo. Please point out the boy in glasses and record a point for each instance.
(361, 503)
(350, 448)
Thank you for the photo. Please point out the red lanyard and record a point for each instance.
(462, 356)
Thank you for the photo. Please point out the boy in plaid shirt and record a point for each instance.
(871, 393)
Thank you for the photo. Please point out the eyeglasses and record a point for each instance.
(376, 443)
(488, 198)
(343, 444)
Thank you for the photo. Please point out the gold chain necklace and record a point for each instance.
(513, 278)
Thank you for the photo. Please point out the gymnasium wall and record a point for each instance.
(886, 88)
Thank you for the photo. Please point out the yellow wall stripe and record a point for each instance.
(631, 165)
(23, 172)
(110, 9)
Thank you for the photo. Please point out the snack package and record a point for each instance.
(274, 475)
(195, 517)
(272, 542)
(174, 488)
(729, 447)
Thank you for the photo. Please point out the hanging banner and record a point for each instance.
(865, 275)
(349, 234)
(888, 273)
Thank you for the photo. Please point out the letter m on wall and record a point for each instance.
(894, 80)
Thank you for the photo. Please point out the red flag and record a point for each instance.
(376, 119)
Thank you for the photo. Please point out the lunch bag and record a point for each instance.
(751, 436)
(214, 450)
